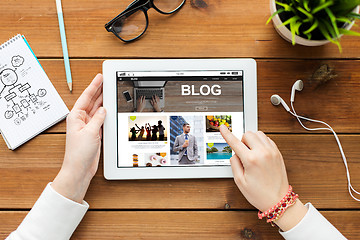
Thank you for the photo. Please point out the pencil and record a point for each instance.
(64, 44)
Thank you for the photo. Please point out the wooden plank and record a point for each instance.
(329, 94)
(335, 99)
(224, 29)
(315, 169)
(181, 225)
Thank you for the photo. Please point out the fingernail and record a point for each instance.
(223, 127)
(101, 110)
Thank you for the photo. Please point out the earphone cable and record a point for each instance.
(298, 117)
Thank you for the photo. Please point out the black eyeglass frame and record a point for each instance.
(144, 6)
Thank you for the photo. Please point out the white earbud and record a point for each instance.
(276, 100)
(298, 86)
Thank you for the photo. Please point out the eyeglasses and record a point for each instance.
(132, 23)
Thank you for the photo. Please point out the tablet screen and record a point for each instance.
(172, 118)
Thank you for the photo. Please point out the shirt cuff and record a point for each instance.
(52, 217)
(313, 226)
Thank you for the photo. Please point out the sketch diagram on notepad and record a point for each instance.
(21, 99)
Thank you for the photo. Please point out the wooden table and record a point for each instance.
(190, 209)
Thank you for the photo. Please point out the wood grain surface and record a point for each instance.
(195, 208)
(181, 225)
(232, 28)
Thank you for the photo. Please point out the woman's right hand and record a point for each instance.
(141, 104)
(155, 102)
(258, 168)
(260, 174)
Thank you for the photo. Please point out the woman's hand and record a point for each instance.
(258, 168)
(141, 103)
(83, 142)
(260, 174)
(155, 102)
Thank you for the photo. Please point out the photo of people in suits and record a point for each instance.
(147, 128)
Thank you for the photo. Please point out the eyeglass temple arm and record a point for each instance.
(132, 4)
(107, 25)
(127, 8)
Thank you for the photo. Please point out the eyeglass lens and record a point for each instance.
(167, 6)
(131, 26)
(134, 24)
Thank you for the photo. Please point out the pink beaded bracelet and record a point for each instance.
(278, 210)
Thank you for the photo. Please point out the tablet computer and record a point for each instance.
(163, 116)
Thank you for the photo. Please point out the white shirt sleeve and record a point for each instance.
(53, 216)
(313, 226)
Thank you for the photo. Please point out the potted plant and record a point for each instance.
(314, 22)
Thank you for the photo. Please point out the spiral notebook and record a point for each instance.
(29, 103)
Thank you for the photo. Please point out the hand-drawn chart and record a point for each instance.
(21, 99)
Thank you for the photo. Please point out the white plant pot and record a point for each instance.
(285, 33)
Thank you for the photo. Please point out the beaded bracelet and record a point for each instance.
(278, 210)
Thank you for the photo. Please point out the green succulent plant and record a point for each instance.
(317, 19)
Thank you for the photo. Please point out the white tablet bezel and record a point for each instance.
(110, 67)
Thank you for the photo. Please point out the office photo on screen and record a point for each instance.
(180, 93)
(187, 140)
